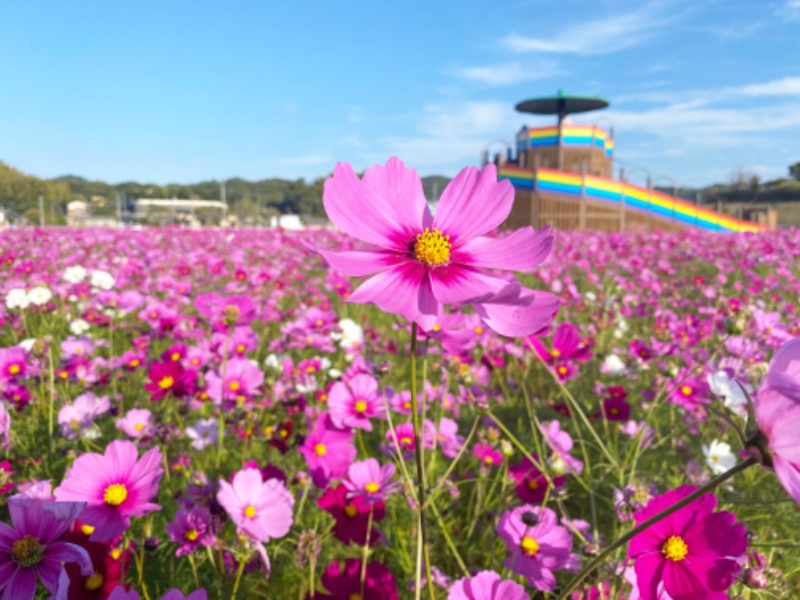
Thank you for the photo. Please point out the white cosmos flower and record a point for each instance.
(352, 334)
(102, 279)
(726, 387)
(74, 274)
(79, 327)
(613, 365)
(719, 457)
(17, 298)
(40, 296)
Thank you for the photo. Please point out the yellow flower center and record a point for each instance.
(355, 596)
(350, 510)
(488, 459)
(372, 487)
(320, 449)
(176, 356)
(115, 553)
(686, 390)
(240, 348)
(166, 383)
(675, 548)
(360, 406)
(115, 494)
(250, 511)
(533, 484)
(432, 248)
(191, 535)
(93, 582)
(234, 386)
(562, 370)
(555, 353)
(138, 427)
(437, 327)
(529, 546)
(13, 369)
(87, 529)
(134, 363)
(27, 551)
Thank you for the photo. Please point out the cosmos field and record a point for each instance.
(201, 413)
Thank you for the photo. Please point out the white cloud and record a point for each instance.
(508, 73)
(790, 11)
(599, 36)
(788, 86)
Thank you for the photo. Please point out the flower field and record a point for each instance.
(202, 413)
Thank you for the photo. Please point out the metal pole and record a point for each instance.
(41, 210)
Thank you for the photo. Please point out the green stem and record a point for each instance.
(711, 485)
(420, 467)
(239, 572)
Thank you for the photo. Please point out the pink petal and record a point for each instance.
(681, 582)
(473, 203)
(457, 284)
(364, 213)
(514, 320)
(404, 290)
(649, 570)
(523, 250)
(357, 263)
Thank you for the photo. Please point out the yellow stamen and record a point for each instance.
(166, 383)
(191, 535)
(686, 390)
(115, 553)
(675, 549)
(13, 369)
(372, 487)
(138, 427)
(360, 406)
(27, 551)
(176, 356)
(115, 494)
(87, 529)
(432, 248)
(250, 511)
(350, 510)
(234, 386)
(320, 449)
(529, 546)
(533, 484)
(93, 582)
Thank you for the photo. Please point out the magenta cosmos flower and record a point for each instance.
(116, 486)
(345, 584)
(261, 509)
(31, 548)
(777, 408)
(694, 551)
(351, 515)
(486, 585)
(538, 545)
(191, 528)
(354, 403)
(328, 450)
(421, 262)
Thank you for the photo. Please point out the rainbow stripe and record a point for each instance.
(572, 135)
(610, 190)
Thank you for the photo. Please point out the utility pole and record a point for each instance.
(41, 210)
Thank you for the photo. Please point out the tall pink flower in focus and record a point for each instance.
(370, 480)
(693, 552)
(116, 486)
(421, 262)
(352, 404)
(777, 409)
(261, 509)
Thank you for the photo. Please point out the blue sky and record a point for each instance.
(181, 91)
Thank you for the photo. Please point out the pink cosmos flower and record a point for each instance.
(115, 486)
(777, 408)
(261, 509)
(421, 262)
(560, 442)
(167, 378)
(191, 529)
(120, 593)
(242, 379)
(486, 585)
(694, 552)
(371, 481)
(5, 425)
(538, 545)
(136, 423)
(531, 483)
(32, 548)
(352, 404)
(487, 455)
(328, 451)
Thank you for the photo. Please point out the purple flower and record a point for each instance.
(203, 433)
(486, 585)
(538, 545)
(560, 443)
(352, 404)
(371, 481)
(261, 509)
(115, 485)
(31, 548)
(5, 424)
(328, 451)
(191, 528)
(80, 415)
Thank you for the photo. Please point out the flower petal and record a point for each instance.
(523, 250)
(403, 290)
(21, 586)
(361, 210)
(357, 263)
(473, 203)
(520, 320)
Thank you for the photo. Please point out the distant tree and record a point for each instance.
(794, 171)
